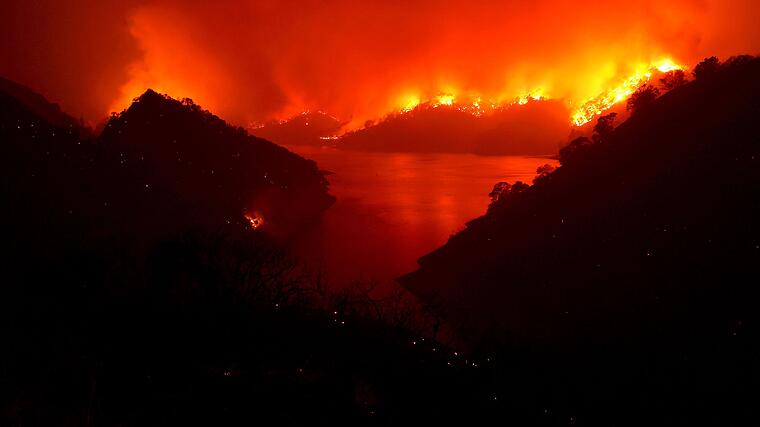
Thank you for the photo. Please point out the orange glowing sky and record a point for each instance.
(249, 61)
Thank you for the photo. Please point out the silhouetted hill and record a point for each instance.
(628, 276)
(536, 128)
(40, 106)
(160, 165)
(133, 292)
(304, 129)
(193, 158)
(159, 169)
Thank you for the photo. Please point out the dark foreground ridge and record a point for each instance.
(134, 292)
(617, 290)
(626, 280)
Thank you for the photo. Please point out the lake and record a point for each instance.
(392, 208)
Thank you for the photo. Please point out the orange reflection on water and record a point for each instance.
(393, 208)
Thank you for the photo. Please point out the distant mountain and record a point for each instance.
(536, 128)
(308, 128)
(38, 105)
(654, 224)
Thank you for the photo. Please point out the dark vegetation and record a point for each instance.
(618, 289)
(643, 98)
(621, 289)
(673, 79)
(135, 293)
(602, 129)
(536, 128)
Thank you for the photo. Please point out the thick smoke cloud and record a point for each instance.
(74, 52)
(255, 60)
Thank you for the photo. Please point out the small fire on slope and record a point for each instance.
(254, 219)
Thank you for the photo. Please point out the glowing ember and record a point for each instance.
(255, 219)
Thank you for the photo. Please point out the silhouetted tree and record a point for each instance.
(707, 68)
(503, 189)
(519, 187)
(544, 171)
(673, 79)
(604, 126)
(642, 98)
(568, 152)
(739, 60)
(498, 189)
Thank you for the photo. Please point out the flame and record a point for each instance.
(667, 65)
(621, 89)
(410, 102)
(534, 95)
(165, 71)
(474, 104)
(444, 99)
(255, 219)
(604, 101)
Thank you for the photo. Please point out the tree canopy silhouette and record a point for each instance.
(707, 68)
(642, 98)
(604, 127)
(673, 79)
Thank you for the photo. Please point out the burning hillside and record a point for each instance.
(254, 61)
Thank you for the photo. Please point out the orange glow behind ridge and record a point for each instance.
(253, 61)
(361, 62)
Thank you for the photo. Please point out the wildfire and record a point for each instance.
(472, 104)
(588, 109)
(409, 103)
(444, 99)
(534, 95)
(667, 65)
(606, 100)
(255, 219)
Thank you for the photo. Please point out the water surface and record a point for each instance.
(393, 208)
